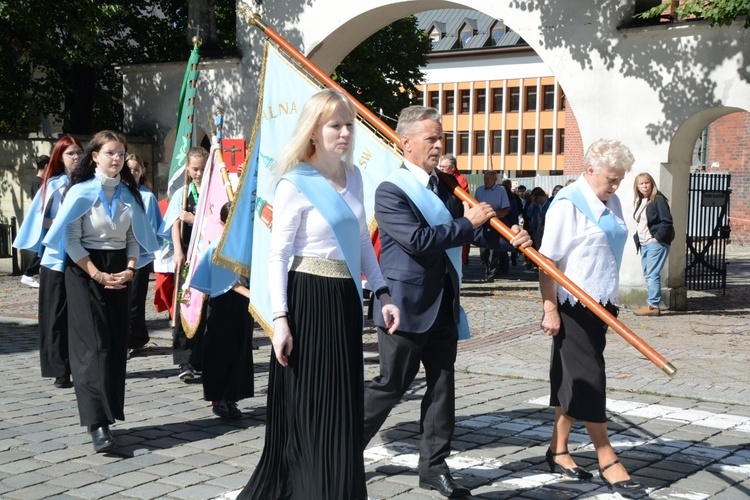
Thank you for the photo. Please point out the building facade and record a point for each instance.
(502, 107)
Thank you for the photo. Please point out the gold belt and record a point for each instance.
(321, 267)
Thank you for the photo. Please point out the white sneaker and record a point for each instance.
(29, 281)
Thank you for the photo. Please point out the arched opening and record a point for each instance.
(704, 143)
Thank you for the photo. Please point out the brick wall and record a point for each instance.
(573, 144)
(729, 146)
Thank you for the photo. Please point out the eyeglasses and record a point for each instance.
(74, 154)
(112, 155)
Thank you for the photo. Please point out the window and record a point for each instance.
(531, 98)
(515, 99)
(433, 99)
(449, 102)
(479, 143)
(497, 142)
(547, 136)
(512, 142)
(463, 143)
(448, 143)
(497, 100)
(561, 141)
(529, 141)
(465, 96)
(549, 97)
(480, 100)
(563, 102)
(435, 35)
(465, 35)
(498, 31)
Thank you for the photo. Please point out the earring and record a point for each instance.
(312, 142)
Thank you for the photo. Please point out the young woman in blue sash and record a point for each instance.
(228, 339)
(138, 337)
(585, 236)
(101, 230)
(178, 228)
(314, 430)
(53, 315)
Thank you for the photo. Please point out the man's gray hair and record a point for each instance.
(412, 115)
(450, 159)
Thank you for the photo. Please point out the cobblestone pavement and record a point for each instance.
(685, 437)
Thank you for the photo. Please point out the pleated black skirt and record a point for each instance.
(98, 322)
(53, 324)
(228, 349)
(314, 430)
(577, 372)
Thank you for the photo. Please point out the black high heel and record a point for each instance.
(627, 488)
(574, 473)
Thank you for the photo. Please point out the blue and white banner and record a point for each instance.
(244, 247)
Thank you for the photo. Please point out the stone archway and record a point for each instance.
(653, 88)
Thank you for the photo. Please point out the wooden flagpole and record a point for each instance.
(462, 195)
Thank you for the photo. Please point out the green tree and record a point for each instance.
(718, 12)
(60, 57)
(383, 71)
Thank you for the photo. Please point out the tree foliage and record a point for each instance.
(383, 71)
(718, 12)
(60, 57)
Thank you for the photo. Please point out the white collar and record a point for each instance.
(422, 176)
(596, 205)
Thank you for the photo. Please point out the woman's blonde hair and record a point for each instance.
(637, 196)
(317, 110)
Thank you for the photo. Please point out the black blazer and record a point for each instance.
(412, 254)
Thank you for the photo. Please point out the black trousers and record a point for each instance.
(400, 356)
(98, 336)
(53, 324)
(228, 349)
(33, 266)
(189, 350)
(138, 336)
(495, 261)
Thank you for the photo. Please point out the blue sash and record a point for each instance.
(164, 231)
(153, 214)
(335, 211)
(79, 200)
(32, 231)
(434, 211)
(616, 235)
(209, 278)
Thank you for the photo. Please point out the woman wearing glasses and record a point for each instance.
(101, 231)
(53, 317)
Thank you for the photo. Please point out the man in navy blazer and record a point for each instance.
(425, 286)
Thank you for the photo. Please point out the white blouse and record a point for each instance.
(580, 249)
(300, 230)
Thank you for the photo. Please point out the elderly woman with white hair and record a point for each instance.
(585, 236)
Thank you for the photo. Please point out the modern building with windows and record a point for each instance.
(502, 107)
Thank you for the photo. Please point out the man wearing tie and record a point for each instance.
(422, 228)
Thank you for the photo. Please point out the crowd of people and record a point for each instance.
(97, 229)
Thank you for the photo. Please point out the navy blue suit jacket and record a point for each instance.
(412, 254)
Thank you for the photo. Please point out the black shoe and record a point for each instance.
(102, 438)
(186, 372)
(627, 488)
(445, 485)
(63, 382)
(574, 473)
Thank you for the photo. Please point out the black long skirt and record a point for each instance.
(577, 372)
(98, 322)
(138, 336)
(53, 324)
(228, 349)
(314, 430)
